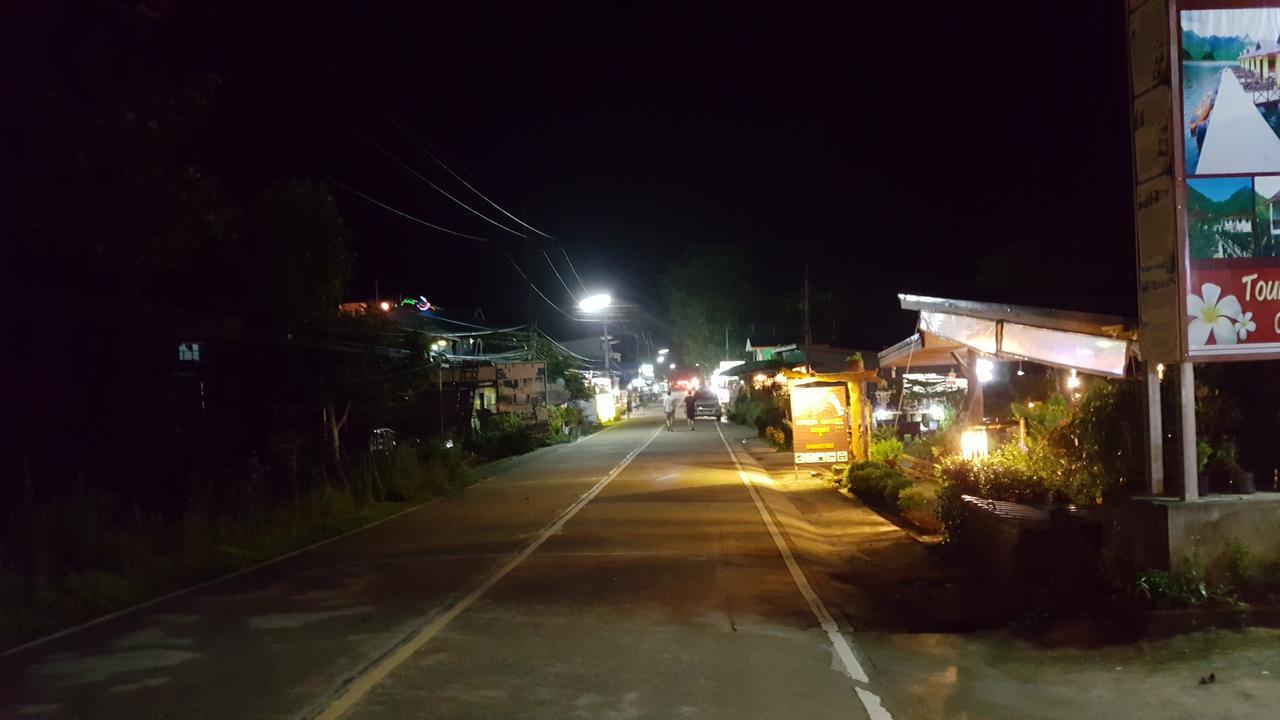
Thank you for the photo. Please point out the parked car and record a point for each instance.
(706, 404)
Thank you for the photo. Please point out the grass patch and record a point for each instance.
(106, 566)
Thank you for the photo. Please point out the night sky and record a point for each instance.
(972, 150)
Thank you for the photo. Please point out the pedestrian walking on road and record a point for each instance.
(669, 407)
(690, 408)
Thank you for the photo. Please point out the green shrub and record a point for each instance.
(503, 435)
(886, 450)
(1186, 586)
(919, 505)
(1242, 567)
(1036, 475)
(917, 498)
(876, 483)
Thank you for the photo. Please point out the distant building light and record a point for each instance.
(386, 306)
(189, 352)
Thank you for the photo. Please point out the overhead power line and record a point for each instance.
(419, 141)
(401, 213)
(575, 270)
(557, 272)
(420, 221)
(535, 287)
(424, 179)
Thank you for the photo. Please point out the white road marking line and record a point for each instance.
(360, 686)
(200, 586)
(870, 701)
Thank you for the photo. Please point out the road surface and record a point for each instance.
(637, 573)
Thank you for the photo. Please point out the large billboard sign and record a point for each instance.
(820, 423)
(1208, 189)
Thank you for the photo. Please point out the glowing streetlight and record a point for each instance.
(673, 366)
(386, 306)
(664, 351)
(595, 303)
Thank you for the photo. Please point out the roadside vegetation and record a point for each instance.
(764, 408)
(100, 554)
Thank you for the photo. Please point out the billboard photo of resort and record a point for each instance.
(1230, 96)
(1233, 217)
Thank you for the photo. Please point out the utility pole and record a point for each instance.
(808, 336)
(607, 352)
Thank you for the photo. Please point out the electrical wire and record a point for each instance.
(419, 141)
(565, 349)
(420, 221)
(401, 213)
(575, 270)
(557, 272)
(535, 287)
(355, 128)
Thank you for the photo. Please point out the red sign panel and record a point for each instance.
(1233, 306)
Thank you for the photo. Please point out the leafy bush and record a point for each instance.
(408, 472)
(917, 497)
(745, 408)
(1044, 417)
(1187, 586)
(503, 435)
(779, 438)
(876, 483)
(1037, 475)
(919, 505)
(886, 450)
(1101, 441)
(1242, 567)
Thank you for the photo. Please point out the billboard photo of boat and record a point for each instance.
(1230, 60)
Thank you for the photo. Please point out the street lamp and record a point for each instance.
(664, 351)
(596, 303)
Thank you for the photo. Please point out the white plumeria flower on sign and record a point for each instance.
(1209, 314)
(1245, 326)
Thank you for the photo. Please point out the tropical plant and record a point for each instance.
(885, 450)
(876, 483)
(1042, 417)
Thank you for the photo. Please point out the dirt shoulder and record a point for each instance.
(878, 575)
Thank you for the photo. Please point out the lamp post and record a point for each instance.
(594, 304)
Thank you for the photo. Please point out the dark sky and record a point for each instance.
(973, 150)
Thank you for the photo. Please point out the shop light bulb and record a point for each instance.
(986, 370)
(1073, 382)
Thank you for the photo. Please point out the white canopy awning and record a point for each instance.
(1098, 344)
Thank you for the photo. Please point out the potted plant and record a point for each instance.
(854, 362)
(1235, 479)
(1224, 472)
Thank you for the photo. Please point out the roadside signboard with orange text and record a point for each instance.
(820, 423)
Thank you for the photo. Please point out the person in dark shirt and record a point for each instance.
(690, 405)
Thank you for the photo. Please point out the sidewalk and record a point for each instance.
(875, 572)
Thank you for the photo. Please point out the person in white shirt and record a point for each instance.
(669, 407)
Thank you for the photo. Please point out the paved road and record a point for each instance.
(633, 574)
(663, 595)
